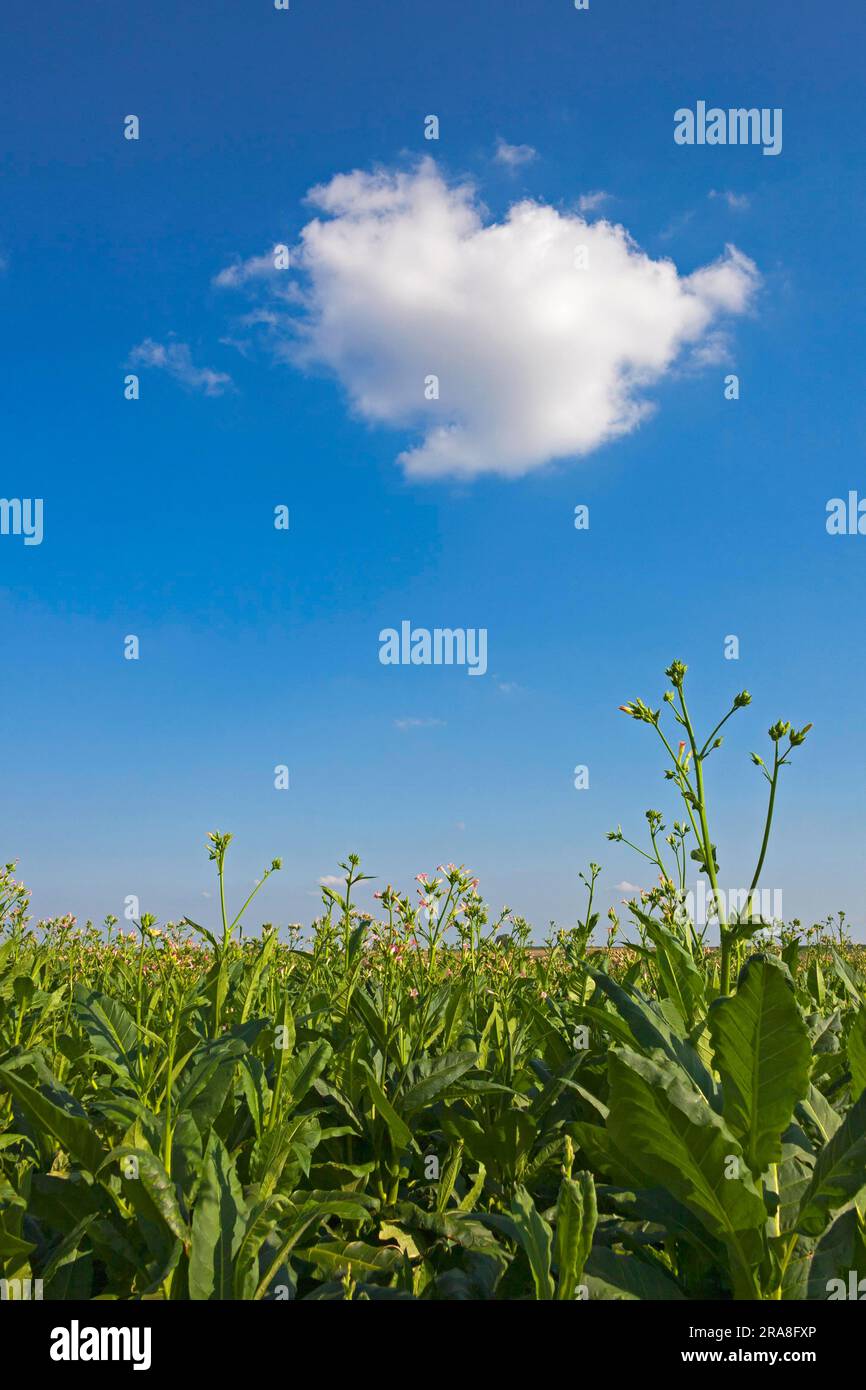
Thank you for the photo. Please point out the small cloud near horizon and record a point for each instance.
(415, 723)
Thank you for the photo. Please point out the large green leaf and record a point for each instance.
(110, 1028)
(665, 1129)
(437, 1074)
(139, 1165)
(218, 1222)
(762, 1052)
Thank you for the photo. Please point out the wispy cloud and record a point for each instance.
(331, 880)
(415, 723)
(176, 360)
(241, 272)
(626, 887)
(738, 201)
(676, 225)
(513, 156)
(591, 202)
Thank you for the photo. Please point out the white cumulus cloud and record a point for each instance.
(545, 331)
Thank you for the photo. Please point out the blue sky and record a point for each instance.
(260, 647)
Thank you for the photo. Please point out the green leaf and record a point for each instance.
(682, 979)
(857, 1052)
(312, 1211)
(148, 1170)
(849, 980)
(612, 1276)
(840, 1172)
(110, 1028)
(529, 1230)
(400, 1132)
(839, 1253)
(762, 1052)
(337, 1256)
(818, 1111)
(438, 1075)
(302, 1069)
(218, 1222)
(70, 1127)
(651, 1029)
(667, 1132)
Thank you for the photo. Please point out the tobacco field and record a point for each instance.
(421, 1104)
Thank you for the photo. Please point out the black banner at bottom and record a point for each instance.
(83, 1339)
